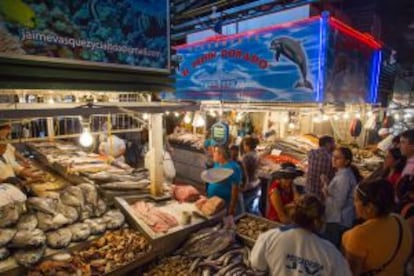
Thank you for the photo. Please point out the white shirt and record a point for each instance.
(409, 167)
(295, 251)
(339, 204)
(113, 146)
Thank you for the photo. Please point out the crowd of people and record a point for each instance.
(342, 224)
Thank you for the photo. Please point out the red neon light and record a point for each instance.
(219, 38)
(366, 39)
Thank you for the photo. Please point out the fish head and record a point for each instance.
(276, 45)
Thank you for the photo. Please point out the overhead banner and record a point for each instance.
(279, 64)
(125, 33)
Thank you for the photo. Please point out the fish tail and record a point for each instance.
(304, 84)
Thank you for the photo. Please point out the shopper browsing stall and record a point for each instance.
(227, 189)
(282, 193)
(297, 249)
(382, 244)
(340, 212)
(320, 163)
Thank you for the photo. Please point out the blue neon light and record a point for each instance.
(375, 73)
(322, 56)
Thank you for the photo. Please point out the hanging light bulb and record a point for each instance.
(291, 125)
(187, 118)
(336, 117)
(286, 119)
(239, 117)
(397, 116)
(317, 119)
(176, 114)
(145, 116)
(51, 101)
(370, 113)
(167, 112)
(325, 117)
(212, 113)
(86, 139)
(346, 115)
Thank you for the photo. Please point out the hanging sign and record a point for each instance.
(274, 64)
(132, 33)
(220, 133)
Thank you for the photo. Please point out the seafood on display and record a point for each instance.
(157, 220)
(6, 235)
(27, 222)
(27, 257)
(28, 238)
(113, 250)
(59, 239)
(252, 227)
(229, 259)
(114, 219)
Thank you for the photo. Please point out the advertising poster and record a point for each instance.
(131, 33)
(277, 64)
(349, 69)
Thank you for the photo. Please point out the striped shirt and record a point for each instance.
(319, 163)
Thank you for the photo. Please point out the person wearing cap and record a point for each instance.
(282, 192)
(297, 249)
(228, 188)
(320, 163)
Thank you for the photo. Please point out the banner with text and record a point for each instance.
(132, 33)
(279, 64)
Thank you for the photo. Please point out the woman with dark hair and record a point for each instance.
(394, 164)
(297, 249)
(340, 213)
(282, 192)
(382, 244)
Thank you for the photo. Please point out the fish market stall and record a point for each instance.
(166, 220)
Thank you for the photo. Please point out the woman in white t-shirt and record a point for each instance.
(297, 249)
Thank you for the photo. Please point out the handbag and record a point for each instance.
(381, 268)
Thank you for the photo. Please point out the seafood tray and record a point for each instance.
(175, 234)
(249, 226)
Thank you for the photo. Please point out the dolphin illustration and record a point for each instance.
(293, 51)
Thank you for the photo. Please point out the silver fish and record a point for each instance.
(9, 215)
(77, 192)
(28, 258)
(127, 185)
(100, 208)
(4, 253)
(80, 231)
(27, 222)
(48, 222)
(114, 219)
(97, 226)
(42, 204)
(59, 239)
(86, 212)
(90, 193)
(6, 235)
(69, 212)
(101, 176)
(25, 238)
(70, 199)
(209, 244)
